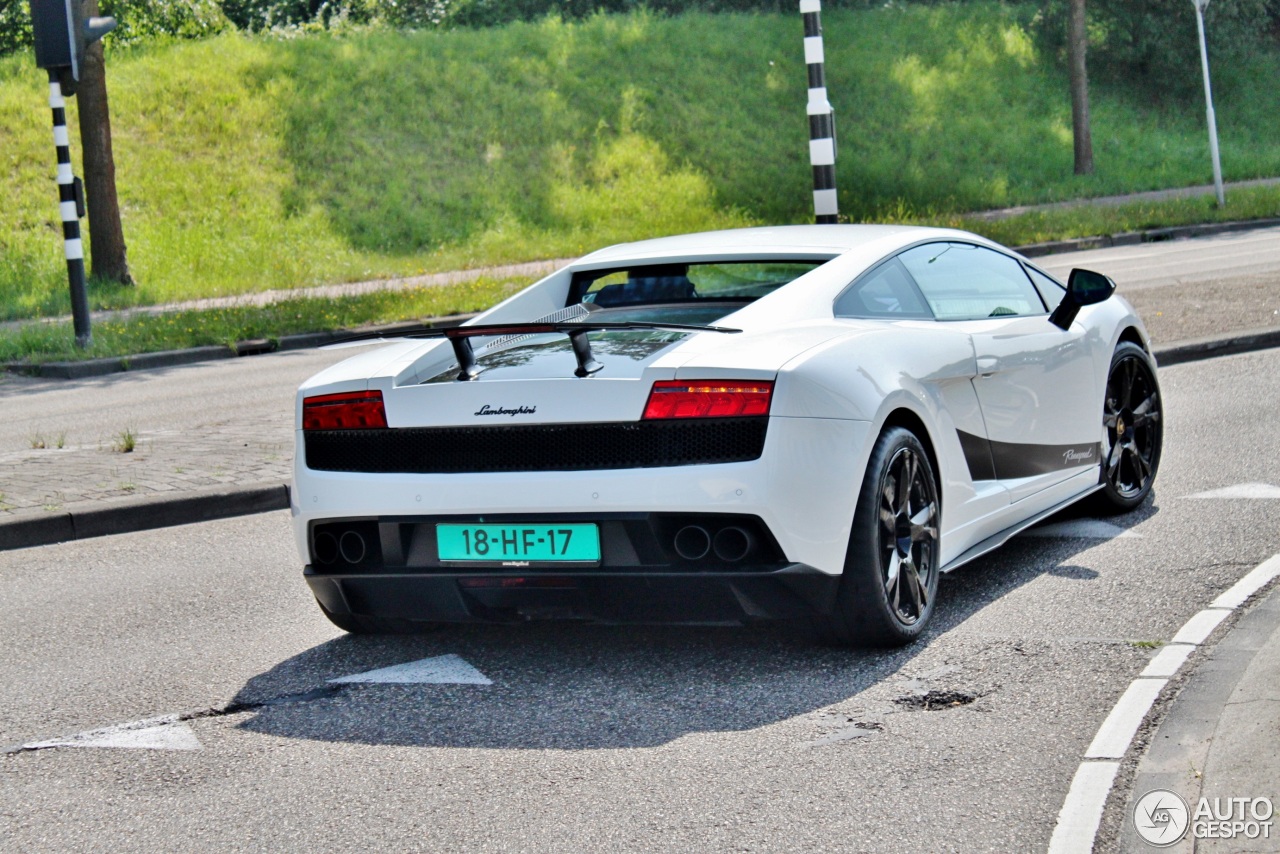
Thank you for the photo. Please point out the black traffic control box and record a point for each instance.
(62, 33)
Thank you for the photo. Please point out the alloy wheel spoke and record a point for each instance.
(921, 530)
(1113, 462)
(1126, 377)
(913, 589)
(922, 593)
(893, 573)
(904, 485)
(1142, 467)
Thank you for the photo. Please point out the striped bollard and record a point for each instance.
(822, 120)
(71, 206)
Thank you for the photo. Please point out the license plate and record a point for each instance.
(553, 542)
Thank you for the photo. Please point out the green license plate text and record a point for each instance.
(551, 541)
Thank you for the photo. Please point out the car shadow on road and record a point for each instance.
(569, 686)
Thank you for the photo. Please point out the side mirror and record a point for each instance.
(1084, 287)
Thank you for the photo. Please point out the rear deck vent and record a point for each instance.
(543, 447)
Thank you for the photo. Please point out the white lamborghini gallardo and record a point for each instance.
(762, 423)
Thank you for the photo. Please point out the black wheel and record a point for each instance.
(890, 582)
(361, 624)
(1131, 416)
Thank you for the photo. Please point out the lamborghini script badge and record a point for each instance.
(502, 410)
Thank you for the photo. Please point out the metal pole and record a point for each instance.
(822, 121)
(71, 206)
(1208, 100)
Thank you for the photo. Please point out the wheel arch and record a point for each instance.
(909, 420)
(1133, 336)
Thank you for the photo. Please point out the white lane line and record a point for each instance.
(1118, 729)
(1200, 626)
(1249, 585)
(1086, 799)
(1167, 662)
(441, 670)
(166, 732)
(1082, 810)
(1242, 490)
(1084, 529)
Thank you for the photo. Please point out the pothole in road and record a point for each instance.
(932, 701)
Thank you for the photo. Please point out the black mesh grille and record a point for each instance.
(544, 447)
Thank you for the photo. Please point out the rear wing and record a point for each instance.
(460, 338)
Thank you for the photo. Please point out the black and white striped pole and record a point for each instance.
(71, 206)
(822, 120)
(61, 34)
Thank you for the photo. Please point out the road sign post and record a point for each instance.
(61, 34)
(1201, 5)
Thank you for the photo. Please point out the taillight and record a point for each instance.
(708, 399)
(351, 410)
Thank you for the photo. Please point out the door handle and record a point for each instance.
(988, 365)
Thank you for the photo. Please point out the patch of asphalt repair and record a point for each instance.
(933, 700)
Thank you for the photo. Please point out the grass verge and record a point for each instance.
(38, 342)
(1097, 220)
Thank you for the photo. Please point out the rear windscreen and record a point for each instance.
(663, 284)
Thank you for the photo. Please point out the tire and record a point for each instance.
(361, 624)
(889, 587)
(1133, 423)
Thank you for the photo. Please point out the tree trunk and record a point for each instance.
(1077, 44)
(106, 249)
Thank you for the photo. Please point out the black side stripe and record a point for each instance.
(990, 460)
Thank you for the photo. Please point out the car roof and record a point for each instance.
(767, 242)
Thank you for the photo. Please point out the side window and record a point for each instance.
(1050, 291)
(966, 282)
(887, 291)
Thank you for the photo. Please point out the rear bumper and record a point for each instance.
(607, 597)
(803, 488)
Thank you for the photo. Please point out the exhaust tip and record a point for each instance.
(692, 542)
(352, 547)
(732, 544)
(325, 547)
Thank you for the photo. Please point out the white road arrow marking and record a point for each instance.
(167, 732)
(1085, 529)
(1242, 490)
(440, 670)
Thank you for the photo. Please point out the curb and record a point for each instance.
(1190, 732)
(1153, 235)
(1207, 348)
(141, 514)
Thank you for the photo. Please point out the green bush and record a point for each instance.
(15, 26)
(142, 20)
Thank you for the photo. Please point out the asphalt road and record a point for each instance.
(589, 737)
(1192, 288)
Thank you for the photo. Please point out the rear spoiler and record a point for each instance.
(460, 337)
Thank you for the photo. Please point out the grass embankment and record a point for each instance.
(248, 164)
